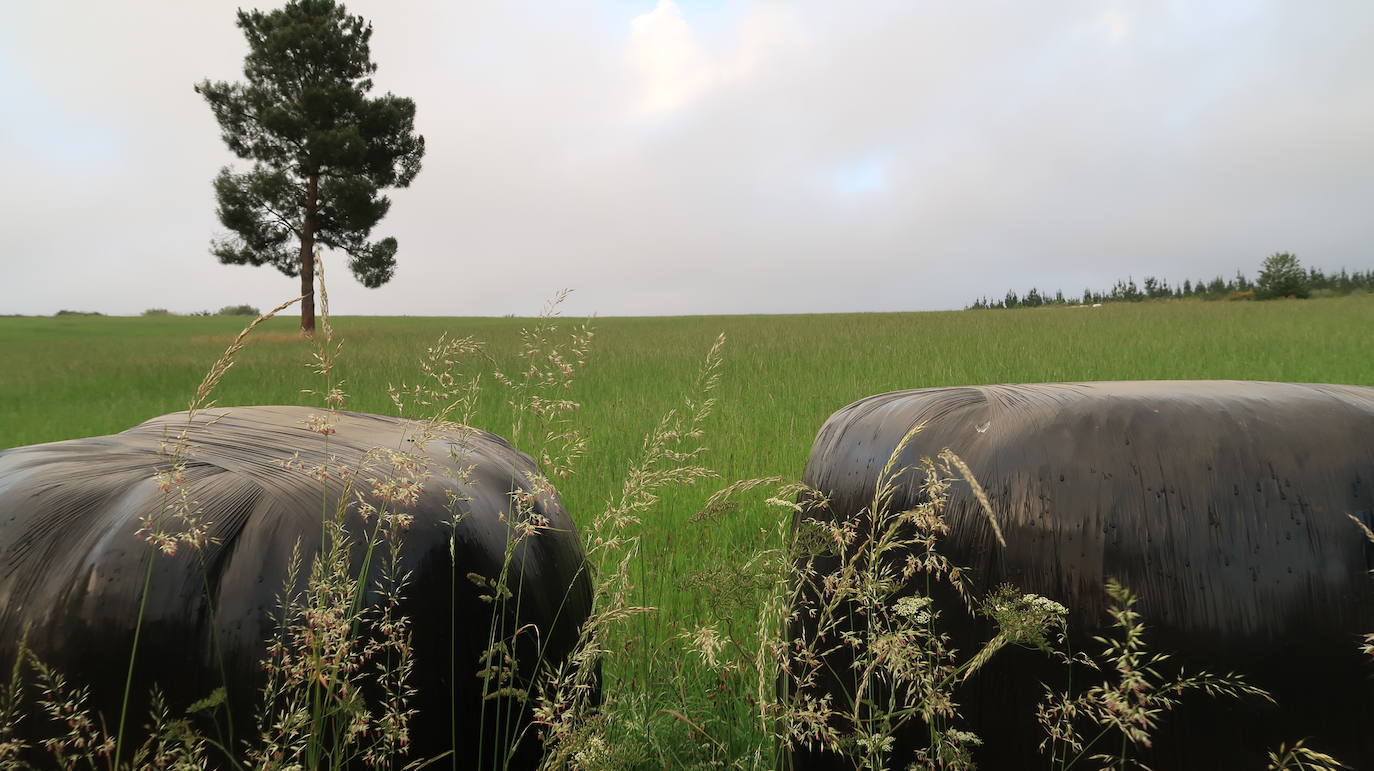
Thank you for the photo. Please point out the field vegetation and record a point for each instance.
(688, 675)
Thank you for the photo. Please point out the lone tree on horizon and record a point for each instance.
(321, 149)
(1281, 275)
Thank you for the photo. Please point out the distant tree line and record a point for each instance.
(228, 310)
(1281, 275)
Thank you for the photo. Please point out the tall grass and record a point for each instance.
(690, 680)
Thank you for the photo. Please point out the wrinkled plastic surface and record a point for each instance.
(1222, 504)
(72, 567)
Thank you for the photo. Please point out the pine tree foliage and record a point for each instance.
(1281, 275)
(321, 148)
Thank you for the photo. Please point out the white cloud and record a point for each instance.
(672, 67)
(1115, 25)
(769, 30)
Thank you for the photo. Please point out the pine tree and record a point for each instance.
(1281, 275)
(321, 148)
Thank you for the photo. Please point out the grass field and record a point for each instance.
(782, 376)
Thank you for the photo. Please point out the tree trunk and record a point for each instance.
(312, 195)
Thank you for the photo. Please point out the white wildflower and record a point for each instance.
(962, 737)
(911, 606)
(1045, 604)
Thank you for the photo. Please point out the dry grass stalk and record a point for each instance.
(330, 644)
(547, 370)
(1125, 712)
(216, 372)
(1300, 757)
(1368, 646)
(853, 597)
(863, 591)
(12, 747)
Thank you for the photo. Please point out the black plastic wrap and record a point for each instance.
(1221, 504)
(72, 566)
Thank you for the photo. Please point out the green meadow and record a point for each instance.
(782, 376)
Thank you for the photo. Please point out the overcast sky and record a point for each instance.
(718, 157)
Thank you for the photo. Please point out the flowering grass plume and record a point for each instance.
(536, 392)
(331, 644)
(866, 654)
(1300, 757)
(1125, 709)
